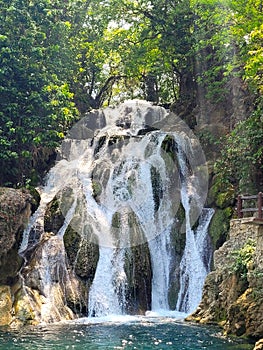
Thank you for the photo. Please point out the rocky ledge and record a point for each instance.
(233, 293)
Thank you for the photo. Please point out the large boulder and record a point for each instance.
(15, 210)
(16, 206)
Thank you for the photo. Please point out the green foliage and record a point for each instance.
(241, 163)
(135, 50)
(242, 258)
(225, 199)
(207, 138)
(59, 59)
(36, 105)
(242, 156)
(214, 48)
(248, 33)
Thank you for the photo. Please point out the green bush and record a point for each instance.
(242, 258)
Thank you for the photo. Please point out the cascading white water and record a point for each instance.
(193, 269)
(130, 189)
(132, 177)
(104, 301)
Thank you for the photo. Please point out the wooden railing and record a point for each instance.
(242, 208)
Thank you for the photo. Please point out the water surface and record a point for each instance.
(134, 333)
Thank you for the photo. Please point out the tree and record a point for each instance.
(241, 163)
(36, 104)
(248, 30)
(162, 46)
(56, 56)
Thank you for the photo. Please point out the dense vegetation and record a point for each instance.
(60, 59)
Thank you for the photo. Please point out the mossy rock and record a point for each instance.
(116, 220)
(220, 315)
(54, 218)
(212, 194)
(57, 209)
(169, 154)
(23, 307)
(178, 235)
(219, 226)
(100, 177)
(35, 198)
(178, 239)
(10, 265)
(139, 279)
(72, 243)
(179, 224)
(99, 144)
(170, 146)
(157, 187)
(83, 254)
(180, 213)
(96, 188)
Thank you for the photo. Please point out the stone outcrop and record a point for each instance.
(15, 210)
(232, 295)
(259, 345)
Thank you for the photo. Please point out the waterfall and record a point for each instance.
(127, 192)
(193, 266)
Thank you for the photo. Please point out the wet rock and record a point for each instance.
(157, 187)
(146, 130)
(178, 238)
(53, 217)
(138, 270)
(57, 209)
(61, 266)
(139, 277)
(82, 254)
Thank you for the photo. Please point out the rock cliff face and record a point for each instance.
(15, 210)
(233, 294)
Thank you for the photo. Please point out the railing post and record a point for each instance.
(239, 207)
(260, 205)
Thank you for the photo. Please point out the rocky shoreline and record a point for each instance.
(233, 295)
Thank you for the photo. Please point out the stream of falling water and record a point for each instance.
(132, 176)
